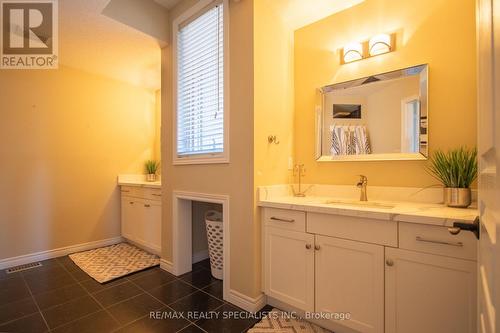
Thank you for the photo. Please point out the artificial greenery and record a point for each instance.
(152, 166)
(457, 168)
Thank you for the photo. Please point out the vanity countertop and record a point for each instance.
(403, 211)
(137, 180)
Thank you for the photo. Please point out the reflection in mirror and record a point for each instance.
(380, 117)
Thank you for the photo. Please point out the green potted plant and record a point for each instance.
(456, 170)
(151, 170)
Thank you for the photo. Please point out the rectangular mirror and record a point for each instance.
(379, 117)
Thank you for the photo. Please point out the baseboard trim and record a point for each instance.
(250, 304)
(167, 266)
(200, 256)
(59, 252)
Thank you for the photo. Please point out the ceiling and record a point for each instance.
(94, 43)
(299, 13)
(167, 3)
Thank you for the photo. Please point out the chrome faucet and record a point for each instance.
(363, 181)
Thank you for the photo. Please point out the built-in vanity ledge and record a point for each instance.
(137, 180)
(384, 203)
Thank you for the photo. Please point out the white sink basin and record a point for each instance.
(367, 204)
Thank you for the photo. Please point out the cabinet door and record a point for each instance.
(152, 225)
(129, 218)
(289, 267)
(350, 279)
(429, 293)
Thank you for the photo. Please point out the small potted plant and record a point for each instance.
(151, 170)
(456, 170)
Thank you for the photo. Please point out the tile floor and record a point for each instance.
(60, 297)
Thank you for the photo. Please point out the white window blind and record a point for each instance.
(200, 85)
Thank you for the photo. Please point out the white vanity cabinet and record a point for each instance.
(289, 262)
(429, 293)
(390, 276)
(349, 277)
(141, 216)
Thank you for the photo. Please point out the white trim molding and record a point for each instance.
(250, 304)
(182, 256)
(166, 266)
(217, 158)
(59, 252)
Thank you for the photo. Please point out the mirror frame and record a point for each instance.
(424, 109)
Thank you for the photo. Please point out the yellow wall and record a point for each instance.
(438, 32)
(234, 179)
(157, 140)
(65, 135)
(273, 101)
(273, 95)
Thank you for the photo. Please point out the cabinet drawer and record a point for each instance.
(381, 232)
(437, 240)
(141, 192)
(284, 218)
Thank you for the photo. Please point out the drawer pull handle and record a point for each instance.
(308, 246)
(389, 262)
(454, 230)
(282, 220)
(420, 239)
(317, 247)
(146, 205)
(131, 202)
(157, 195)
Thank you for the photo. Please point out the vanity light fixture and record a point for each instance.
(379, 44)
(352, 52)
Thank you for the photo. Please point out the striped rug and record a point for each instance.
(278, 321)
(111, 262)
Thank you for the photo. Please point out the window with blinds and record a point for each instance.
(200, 85)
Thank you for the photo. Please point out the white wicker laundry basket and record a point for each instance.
(213, 222)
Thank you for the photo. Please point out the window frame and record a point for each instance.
(205, 158)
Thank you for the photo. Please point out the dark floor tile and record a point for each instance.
(192, 329)
(144, 272)
(13, 289)
(70, 311)
(204, 264)
(117, 293)
(200, 278)
(53, 269)
(4, 275)
(92, 286)
(171, 292)
(215, 289)
(17, 309)
(79, 275)
(151, 325)
(199, 301)
(230, 319)
(134, 308)
(99, 322)
(67, 263)
(60, 295)
(31, 324)
(49, 282)
(154, 279)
